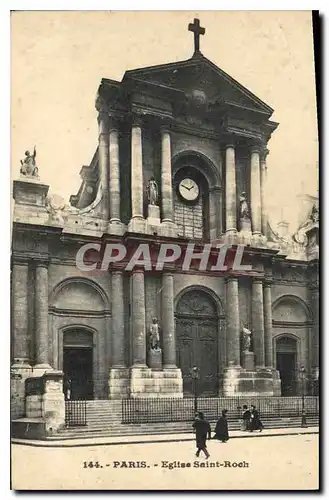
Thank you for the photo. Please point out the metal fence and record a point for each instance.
(153, 410)
(75, 413)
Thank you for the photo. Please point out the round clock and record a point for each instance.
(188, 189)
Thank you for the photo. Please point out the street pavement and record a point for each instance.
(285, 462)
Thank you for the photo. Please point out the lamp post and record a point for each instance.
(302, 374)
(195, 377)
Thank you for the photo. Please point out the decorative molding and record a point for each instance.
(79, 312)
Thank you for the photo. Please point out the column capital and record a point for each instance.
(137, 270)
(264, 153)
(165, 125)
(268, 282)
(43, 262)
(256, 148)
(113, 123)
(101, 104)
(230, 278)
(116, 272)
(257, 280)
(19, 260)
(136, 119)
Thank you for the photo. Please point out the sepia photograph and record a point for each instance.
(164, 266)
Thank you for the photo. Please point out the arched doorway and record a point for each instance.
(286, 364)
(197, 341)
(78, 362)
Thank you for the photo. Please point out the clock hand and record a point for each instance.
(183, 185)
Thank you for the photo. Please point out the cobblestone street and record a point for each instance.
(281, 462)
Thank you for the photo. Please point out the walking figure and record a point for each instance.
(255, 422)
(246, 417)
(221, 429)
(202, 431)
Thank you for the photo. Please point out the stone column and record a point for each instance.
(118, 330)
(114, 172)
(263, 187)
(257, 315)
(230, 189)
(168, 327)
(41, 315)
(103, 161)
(20, 321)
(166, 179)
(138, 318)
(255, 192)
(268, 324)
(233, 321)
(136, 169)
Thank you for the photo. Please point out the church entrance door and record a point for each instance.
(286, 363)
(78, 364)
(197, 341)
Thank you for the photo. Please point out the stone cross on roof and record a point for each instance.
(197, 30)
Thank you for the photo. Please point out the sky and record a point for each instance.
(59, 57)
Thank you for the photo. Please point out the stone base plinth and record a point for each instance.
(117, 228)
(230, 237)
(137, 225)
(242, 382)
(119, 383)
(248, 360)
(258, 240)
(168, 229)
(45, 401)
(153, 216)
(145, 382)
(155, 359)
(39, 370)
(19, 372)
(245, 236)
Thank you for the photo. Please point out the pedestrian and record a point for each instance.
(67, 388)
(221, 429)
(246, 416)
(255, 422)
(202, 431)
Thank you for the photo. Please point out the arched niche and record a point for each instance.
(290, 309)
(79, 294)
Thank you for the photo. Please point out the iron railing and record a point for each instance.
(158, 410)
(75, 413)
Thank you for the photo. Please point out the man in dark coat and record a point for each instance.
(202, 430)
(221, 429)
(246, 416)
(255, 422)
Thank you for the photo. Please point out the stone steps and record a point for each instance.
(105, 428)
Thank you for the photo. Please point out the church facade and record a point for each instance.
(181, 159)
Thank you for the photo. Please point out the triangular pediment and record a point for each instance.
(199, 73)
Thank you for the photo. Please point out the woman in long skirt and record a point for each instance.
(221, 429)
(255, 422)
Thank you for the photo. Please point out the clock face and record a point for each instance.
(188, 189)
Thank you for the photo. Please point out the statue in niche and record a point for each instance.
(28, 165)
(152, 192)
(246, 339)
(244, 208)
(154, 335)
